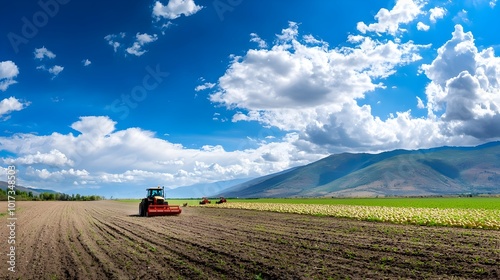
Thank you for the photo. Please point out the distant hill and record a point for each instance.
(4, 186)
(437, 171)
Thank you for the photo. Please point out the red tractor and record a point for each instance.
(221, 200)
(205, 201)
(155, 205)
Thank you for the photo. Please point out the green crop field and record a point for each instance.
(469, 212)
(427, 202)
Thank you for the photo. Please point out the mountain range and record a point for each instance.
(425, 172)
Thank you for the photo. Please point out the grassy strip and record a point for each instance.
(492, 203)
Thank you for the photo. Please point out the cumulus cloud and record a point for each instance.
(175, 8)
(314, 91)
(8, 71)
(11, 104)
(273, 84)
(404, 12)
(54, 70)
(53, 158)
(42, 53)
(436, 13)
(141, 40)
(96, 154)
(465, 87)
(422, 26)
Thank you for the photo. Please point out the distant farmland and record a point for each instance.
(467, 212)
(425, 202)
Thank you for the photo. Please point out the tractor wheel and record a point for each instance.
(143, 208)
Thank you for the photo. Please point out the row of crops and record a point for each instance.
(466, 218)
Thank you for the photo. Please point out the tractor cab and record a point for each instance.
(155, 195)
(152, 192)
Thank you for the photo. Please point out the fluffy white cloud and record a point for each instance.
(42, 53)
(92, 126)
(436, 13)
(62, 175)
(422, 26)
(140, 42)
(405, 11)
(465, 85)
(53, 158)
(54, 70)
(175, 8)
(11, 104)
(8, 71)
(295, 83)
(314, 90)
(98, 154)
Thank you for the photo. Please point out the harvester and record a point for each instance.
(221, 200)
(155, 204)
(205, 201)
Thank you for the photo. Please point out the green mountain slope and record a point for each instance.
(438, 171)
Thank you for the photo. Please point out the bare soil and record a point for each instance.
(107, 240)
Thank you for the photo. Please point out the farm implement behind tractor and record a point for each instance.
(155, 204)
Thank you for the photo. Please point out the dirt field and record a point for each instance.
(106, 240)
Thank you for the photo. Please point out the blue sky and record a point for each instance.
(113, 97)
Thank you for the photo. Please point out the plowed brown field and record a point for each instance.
(106, 240)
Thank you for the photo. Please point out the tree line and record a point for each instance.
(23, 195)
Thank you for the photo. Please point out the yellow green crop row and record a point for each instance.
(467, 218)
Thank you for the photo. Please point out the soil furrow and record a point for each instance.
(107, 240)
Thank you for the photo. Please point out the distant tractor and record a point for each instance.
(154, 204)
(205, 201)
(221, 200)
